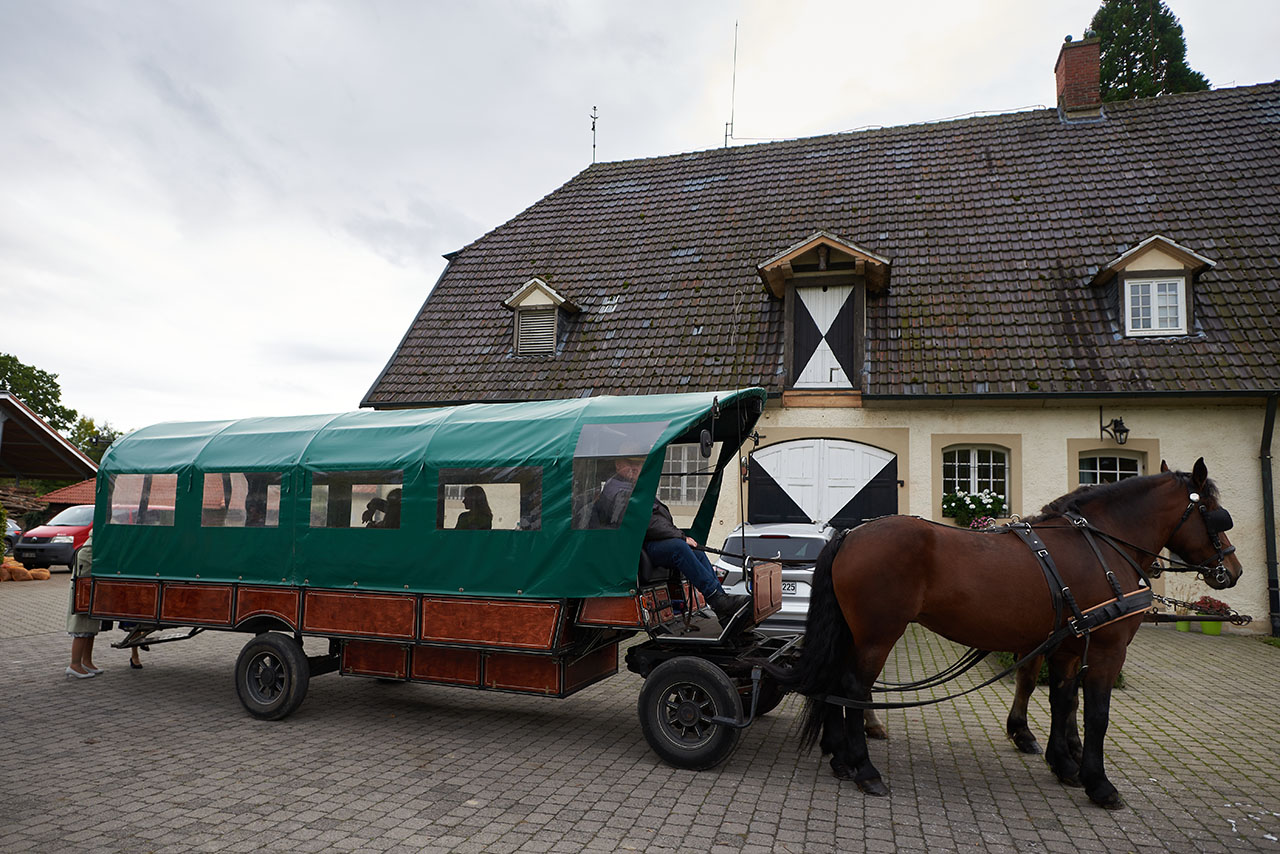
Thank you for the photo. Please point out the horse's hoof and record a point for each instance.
(1108, 801)
(1026, 742)
(873, 786)
(878, 732)
(841, 771)
(1072, 780)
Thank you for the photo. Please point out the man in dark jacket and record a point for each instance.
(665, 543)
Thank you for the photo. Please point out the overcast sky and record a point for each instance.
(225, 209)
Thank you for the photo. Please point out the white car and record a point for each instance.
(790, 542)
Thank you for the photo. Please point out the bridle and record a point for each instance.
(1215, 521)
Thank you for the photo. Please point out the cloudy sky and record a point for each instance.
(234, 208)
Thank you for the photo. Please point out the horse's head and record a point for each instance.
(1200, 538)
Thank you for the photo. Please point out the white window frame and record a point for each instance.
(1148, 287)
(685, 489)
(975, 483)
(1107, 454)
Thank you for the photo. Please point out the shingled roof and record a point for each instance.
(995, 227)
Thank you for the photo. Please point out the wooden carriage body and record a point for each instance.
(287, 525)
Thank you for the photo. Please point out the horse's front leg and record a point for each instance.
(1016, 725)
(1098, 681)
(1062, 707)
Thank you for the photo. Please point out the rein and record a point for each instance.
(1080, 623)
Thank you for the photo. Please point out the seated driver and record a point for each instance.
(664, 543)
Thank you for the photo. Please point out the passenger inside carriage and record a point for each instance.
(664, 543)
(477, 516)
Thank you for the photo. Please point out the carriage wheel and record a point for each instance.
(677, 703)
(272, 675)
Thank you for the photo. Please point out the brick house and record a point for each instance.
(1022, 302)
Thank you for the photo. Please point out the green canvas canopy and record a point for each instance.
(482, 499)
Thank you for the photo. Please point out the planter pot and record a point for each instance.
(1183, 625)
(1211, 627)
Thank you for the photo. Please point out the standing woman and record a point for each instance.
(82, 629)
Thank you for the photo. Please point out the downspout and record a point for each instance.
(1269, 517)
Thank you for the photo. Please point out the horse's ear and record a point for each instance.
(1164, 467)
(1199, 473)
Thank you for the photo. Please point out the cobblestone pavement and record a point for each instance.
(164, 759)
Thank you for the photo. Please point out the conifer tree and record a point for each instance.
(1144, 53)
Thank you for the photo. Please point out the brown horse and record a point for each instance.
(988, 591)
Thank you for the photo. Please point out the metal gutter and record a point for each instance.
(1269, 516)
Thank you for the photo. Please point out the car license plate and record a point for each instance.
(28, 555)
(788, 588)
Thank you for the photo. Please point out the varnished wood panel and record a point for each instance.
(138, 600)
(84, 594)
(490, 622)
(527, 673)
(369, 658)
(267, 601)
(768, 590)
(590, 668)
(610, 611)
(447, 666)
(383, 615)
(196, 603)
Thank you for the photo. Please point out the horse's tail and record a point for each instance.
(827, 641)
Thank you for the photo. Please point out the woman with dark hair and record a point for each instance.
(477, 516)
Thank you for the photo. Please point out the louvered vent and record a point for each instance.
(535, 331)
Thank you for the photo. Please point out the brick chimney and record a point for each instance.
(1078, 72)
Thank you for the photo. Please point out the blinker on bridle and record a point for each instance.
(1215, 521)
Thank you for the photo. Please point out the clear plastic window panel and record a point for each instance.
(241, 500)
(606, 462)
(1100, 469)
(685, 475)
(356, 499)
(142, 499)
(490, 499)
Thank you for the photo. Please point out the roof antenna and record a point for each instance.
(594, 115)
(733, 90)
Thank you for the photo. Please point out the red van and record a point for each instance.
(57, 541)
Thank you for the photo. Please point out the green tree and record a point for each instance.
(92, 438)
(37, 389)
(1143, 51)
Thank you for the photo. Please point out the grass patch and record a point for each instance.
(1272, 642)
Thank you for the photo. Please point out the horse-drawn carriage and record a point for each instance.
(461, 546)
(454, 546)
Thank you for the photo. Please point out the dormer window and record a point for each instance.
(1155, 306)
(824, 281)
(1153, 287)
(537, 307)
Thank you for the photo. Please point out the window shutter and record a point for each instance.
(535, 331)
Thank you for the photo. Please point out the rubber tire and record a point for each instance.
(698, 689)
(771, 694)
(272, 676)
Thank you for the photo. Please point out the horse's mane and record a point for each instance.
(1091, 492)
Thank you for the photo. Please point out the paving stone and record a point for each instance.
(165, 760)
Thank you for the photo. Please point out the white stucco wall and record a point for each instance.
(1045, 440)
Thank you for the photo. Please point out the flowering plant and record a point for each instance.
(1209, 606)
(982, 523)
(965, 507)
